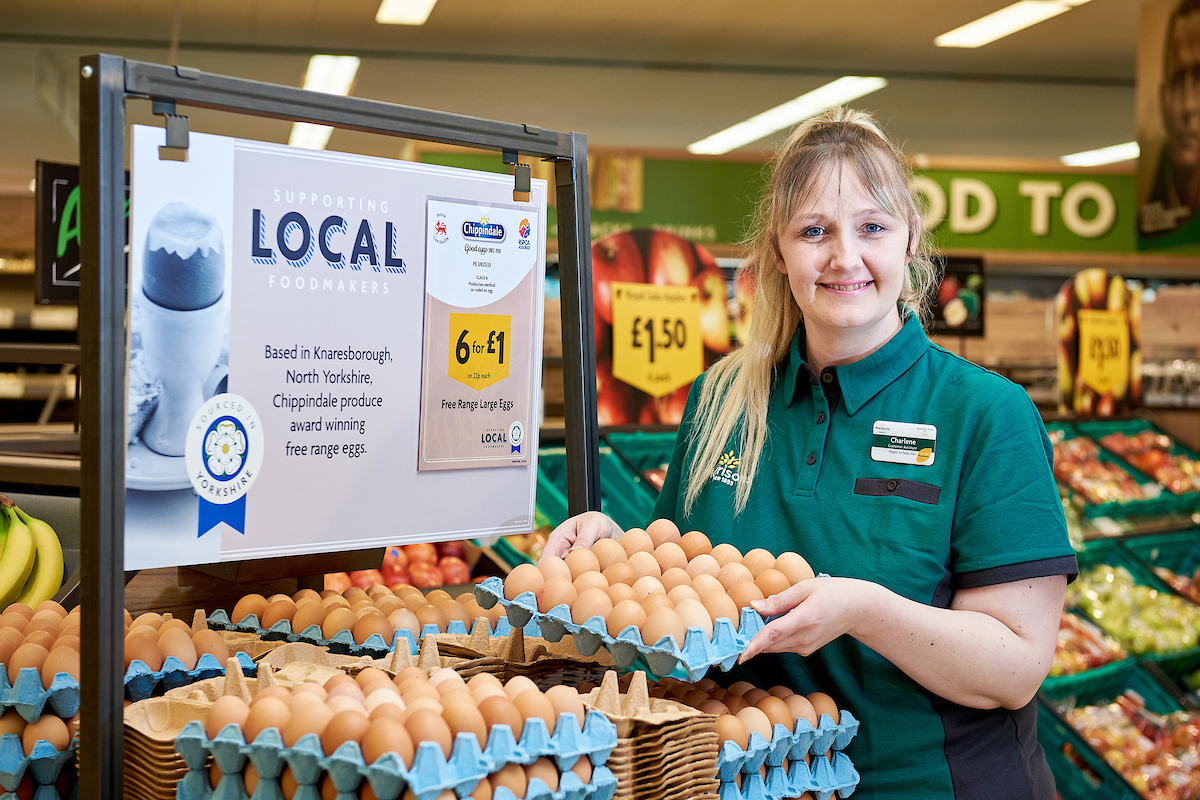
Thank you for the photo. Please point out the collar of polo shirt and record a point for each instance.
(863, 379)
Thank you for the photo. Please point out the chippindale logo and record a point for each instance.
(483, 230)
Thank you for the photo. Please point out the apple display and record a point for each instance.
(743, 289)
(671, 262)
(714, 309)
(615, 257)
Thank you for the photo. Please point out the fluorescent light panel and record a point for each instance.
(843, 90)
(404, 12)
(328, 75)
(1105, 155)
(1007, 20)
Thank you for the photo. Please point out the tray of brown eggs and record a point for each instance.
(415, 735)
(672, 599)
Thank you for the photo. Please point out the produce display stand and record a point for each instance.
(106, 82)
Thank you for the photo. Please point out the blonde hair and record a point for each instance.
(737, 389)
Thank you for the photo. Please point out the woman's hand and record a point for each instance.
(815, 612)
(582, 530)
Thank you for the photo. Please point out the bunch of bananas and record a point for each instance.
(31, 558)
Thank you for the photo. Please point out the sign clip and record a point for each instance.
(176, 148)
(521, 176)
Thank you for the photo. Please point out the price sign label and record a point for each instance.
(657, 345)
(480, 348)
(1104, 350)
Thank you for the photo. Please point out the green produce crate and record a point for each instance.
(1178, 552)
(642, 450)
(1098, 429)
(621, 497)
(511, 556)
(1097, 687)
(1155, 505)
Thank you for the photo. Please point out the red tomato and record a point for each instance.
(454, 570)
(337, 581)
(420, 552)
(365, 578)
(394, 555)
(456, 549)
(425, 575)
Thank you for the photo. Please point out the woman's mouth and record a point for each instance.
(847, 288)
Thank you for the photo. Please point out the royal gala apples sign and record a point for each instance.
(662, 314)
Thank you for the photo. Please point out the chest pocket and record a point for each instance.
(898, 487)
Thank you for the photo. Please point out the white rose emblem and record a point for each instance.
(224, 447)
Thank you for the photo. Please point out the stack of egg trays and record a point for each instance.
(696, 655)
(431, 772)
(343, 642)
(826, 776)
(45, 763)
(141, 681)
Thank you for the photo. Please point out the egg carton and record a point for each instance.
(696, 655)
(44, 763)
(141, 681)
(825, 779)
(802, 740)
(343, 642)
(28, 697)
(41, 793)
(431, 772)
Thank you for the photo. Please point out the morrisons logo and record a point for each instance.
(726, 471)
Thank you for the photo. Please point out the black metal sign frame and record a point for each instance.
(106, 82)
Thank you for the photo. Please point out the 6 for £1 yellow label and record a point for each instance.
(480, 348)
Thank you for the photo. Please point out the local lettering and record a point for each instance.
(341, 242)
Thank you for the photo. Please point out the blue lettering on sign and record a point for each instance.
(491, 231)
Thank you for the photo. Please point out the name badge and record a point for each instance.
(903, 443)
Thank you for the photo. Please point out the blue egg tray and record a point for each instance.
(431, 772)
(827, 777)
(343, 641)
(44, 762)
(831, 771)
(696, 655)
(29, 698)
(141, 682)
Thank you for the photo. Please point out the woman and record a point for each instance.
(920, 482)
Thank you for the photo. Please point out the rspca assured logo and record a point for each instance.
(440, 232)
(523, 231)
(727, 469)
(483, 230)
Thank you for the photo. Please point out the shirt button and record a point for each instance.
(827, 377)
(892, 485)
(820, 419)
(812, 459)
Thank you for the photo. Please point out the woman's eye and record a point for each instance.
(812, 231)
(873, 227)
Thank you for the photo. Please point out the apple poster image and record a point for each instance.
(179, 340)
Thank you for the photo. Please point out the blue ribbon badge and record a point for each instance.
(224, 452)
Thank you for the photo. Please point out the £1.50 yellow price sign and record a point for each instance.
(657, 345)
(480, 348)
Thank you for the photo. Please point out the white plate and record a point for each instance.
(151, 471)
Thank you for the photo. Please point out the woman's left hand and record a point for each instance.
(815, 612)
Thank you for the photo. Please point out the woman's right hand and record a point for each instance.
(582, 530)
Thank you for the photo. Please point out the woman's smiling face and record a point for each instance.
(845, 258)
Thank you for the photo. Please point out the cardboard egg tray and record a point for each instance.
(430, 774)
(44, 762)
(152, 767)
(343, 641)
(29, 698)
(830, 776)
(696, 655)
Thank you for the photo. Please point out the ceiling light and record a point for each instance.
(843, 90)
(1104, 155)
(1007, 20)
(404, 12)
(328, 75)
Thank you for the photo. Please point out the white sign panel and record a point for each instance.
(277, 326)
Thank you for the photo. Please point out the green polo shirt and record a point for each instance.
(980, 509)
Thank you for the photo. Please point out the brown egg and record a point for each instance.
(227, 710)
(544, 770)
(51, 605)
(338, 619)
(175, 624)
(706, 585)
(590, 603)
(482, 790)
(288, 785)
(306, 595)
(583, 770)
(673, 578)
(731, 729)
(635, 540)
(771, 582)
(502, 711)
(369, 675)
(743, 593)
(12, 636)
(758, 561)
(619, 572)
(432, 615)
(438, 596)
(461, 713)
(802, 709)
(533, 703)
(720, 606)
(654, 601)
(580, 560)
(726, 554)
(210, 642)
(693, 614)
(823, 704)
(403, 619)
(27, 656)
(43, 625)
(40, 637)
(735, 703)
(752, 696)
(307, 615)
(556, 591)
(732, 573)
(178, 644)
(702, 564)
(711, 706)
(269, 712)
(373, 624)
(343, 726)
(663, 622)
(794, 567)
(776, 710)
(566, 700)
(663, 530)
(250, 604)
(426, 725)
(695, 543)
(517, 686)
(670, 555)
(313, 688)
(619, 592)
(335, 601)
(590, 580)
(12, 722)
(755, 722)
(20, 608)
(643, 565)
(511, 777)
(554, 567)
(52, 617)
(47, 727)
(780, 692)
(149, 618)
(348, 688)
(740, 688)
(63, 640)
(648, 585)
(249, 778)
(312, 719)
(14, 620)
(387, 736)
(388, 603)
(682, 592)
(280, 609)
(387, 711)
(523, 578)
